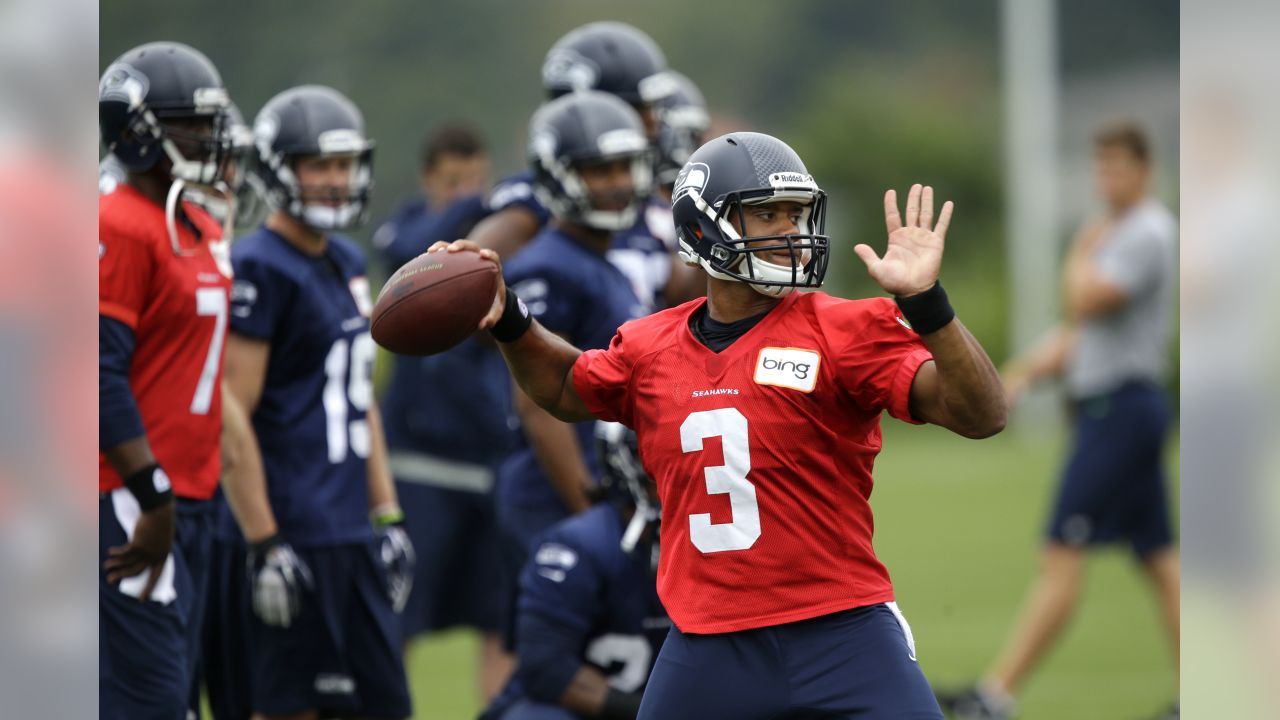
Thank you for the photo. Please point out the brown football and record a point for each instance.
(434, 302)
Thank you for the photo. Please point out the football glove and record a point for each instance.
(395, 550)
(278, 577)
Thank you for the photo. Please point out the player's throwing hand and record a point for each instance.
(911, 261)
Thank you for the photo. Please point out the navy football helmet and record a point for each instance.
(313, 121)
(152, 101)
(741, 169)
(625, 481)
(612, 57)
(585, 128)
(682, 126)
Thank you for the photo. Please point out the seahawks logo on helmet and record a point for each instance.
(121, 83)
(694, 176)
(565, 68)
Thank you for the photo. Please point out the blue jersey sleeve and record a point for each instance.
(560, 590)
(552, 300)
(517, 191)
(260, 298)
(118, 416)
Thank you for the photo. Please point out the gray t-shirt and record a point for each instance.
(1139, 255)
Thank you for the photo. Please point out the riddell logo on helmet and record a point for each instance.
(791, 179)
(693, 176)
(793, 368)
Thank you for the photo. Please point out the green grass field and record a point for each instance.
(958, 525)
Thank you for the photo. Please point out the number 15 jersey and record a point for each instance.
(762, 453)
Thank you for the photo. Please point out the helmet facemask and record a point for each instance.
(571, 200)
(325, 208)
(734, 257)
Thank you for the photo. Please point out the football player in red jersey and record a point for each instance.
(758, 414)
(162, 316)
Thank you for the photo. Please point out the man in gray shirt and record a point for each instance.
(1112, 352)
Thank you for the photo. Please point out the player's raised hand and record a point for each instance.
(148, 549)
(914, 255)
(500, 298)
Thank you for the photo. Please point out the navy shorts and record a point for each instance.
(147, 651)
(458, 574)
(1113, 487)
(343, 654)
(853, 664)
(226, 632)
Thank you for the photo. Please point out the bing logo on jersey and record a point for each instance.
(792, 368)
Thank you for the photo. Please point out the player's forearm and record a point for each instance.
(382, 487)
(542, 364)
(130, 456)
(558, 451)
(505, 231)
(969, 386)
(244, 483)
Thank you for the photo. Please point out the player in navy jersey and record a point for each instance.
(589, 621)
(569, 284)
(326, 586)
(594, 188)
(610, 57)
(447, 421)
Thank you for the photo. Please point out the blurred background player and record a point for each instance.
(446, 418)
(324, 635)
(681, 122)
(162, 319)
(590, 624)
(1111, 351)
(618, 59)
(592, 169)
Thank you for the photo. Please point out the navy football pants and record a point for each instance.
(853, 664)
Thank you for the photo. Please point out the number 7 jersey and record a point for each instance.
(762, 453)
(176, 305)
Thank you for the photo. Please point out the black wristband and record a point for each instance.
(515, 320)
(620, 705)
(150, 486)
(927, 312)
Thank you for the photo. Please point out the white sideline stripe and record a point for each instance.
(440, 472)
(906, 629)
(127, 513)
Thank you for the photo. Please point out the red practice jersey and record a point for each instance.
(762, 453)
(176, 305)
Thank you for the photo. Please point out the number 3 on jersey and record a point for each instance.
(337, 389)
(730, 478)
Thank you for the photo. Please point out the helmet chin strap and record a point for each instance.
(171, 214)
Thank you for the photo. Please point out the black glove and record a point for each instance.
(278, 577)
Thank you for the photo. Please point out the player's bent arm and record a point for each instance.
(959, 389)
(1089, 295)
(559, 453)
(542, 364)
(552, 672)
(244, 483)
(505, 231)
(245, 369)
(382, 487)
